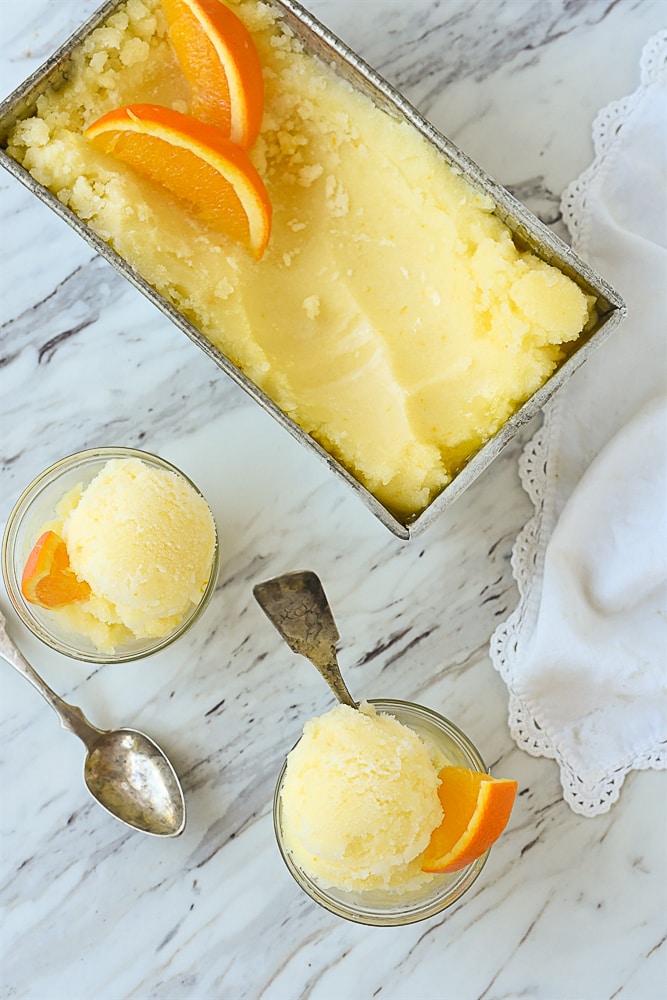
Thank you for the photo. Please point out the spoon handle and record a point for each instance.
(298, 607)
(71, 717)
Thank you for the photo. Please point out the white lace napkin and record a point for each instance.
(585, 653)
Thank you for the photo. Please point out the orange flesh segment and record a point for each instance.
(47, 578)
(477, 809)
(211, 176)
(220, 62)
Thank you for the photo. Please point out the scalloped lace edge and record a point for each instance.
(530, 546)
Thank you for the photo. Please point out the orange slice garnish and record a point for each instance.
(220, 62)
(47, 578)
(210, 175)
(477, 809)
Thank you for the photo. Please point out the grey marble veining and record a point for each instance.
(567, 907)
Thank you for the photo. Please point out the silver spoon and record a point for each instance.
(297, 605)
(125, 770)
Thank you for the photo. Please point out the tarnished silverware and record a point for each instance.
(298, 607)
(125, 771)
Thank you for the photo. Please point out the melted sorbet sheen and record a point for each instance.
(392, 316)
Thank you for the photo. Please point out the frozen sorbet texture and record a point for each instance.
(392, 316)
(360, 800)
(144, 540)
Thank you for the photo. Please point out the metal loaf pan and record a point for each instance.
(527, 230)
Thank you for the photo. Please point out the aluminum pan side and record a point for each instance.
(527, 230)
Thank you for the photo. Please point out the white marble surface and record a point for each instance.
(567, 908)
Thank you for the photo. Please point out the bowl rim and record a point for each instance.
(405, 914)
(31, 619)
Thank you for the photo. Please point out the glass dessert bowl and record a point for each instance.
(421, 897)
(120, 510)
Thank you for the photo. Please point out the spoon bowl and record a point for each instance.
(125, 770)
(130, 776)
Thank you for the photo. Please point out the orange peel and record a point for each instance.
(210, 175)
(48, 580)
(477, 809)
(219, 60)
